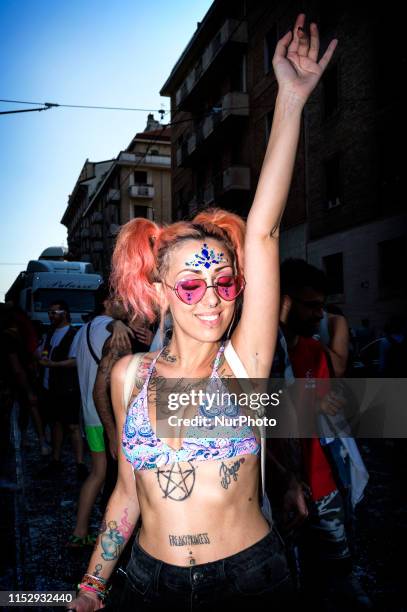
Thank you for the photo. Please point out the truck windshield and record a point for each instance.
(79, 300)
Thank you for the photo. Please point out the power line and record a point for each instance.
(25, 110)
(56, 104)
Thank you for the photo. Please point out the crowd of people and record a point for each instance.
(238, 518)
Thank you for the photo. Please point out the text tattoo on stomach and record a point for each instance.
(189, 539)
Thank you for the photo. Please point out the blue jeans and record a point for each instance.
(258, 574)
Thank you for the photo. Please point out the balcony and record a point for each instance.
(141, 191)
(232, 31)
(113, 195)
(233, 104)
(234, 178)
(161, 161)
(237, 178)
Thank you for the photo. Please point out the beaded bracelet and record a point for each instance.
(98, 578)
(95, 581)
(86, 587)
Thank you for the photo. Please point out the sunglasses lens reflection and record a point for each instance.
(228, 287)
(191, 291)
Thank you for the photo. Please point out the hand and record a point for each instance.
(332, 404)
(143, 334)
(121, 337)
(295, 509)
(85, 602)
(44, 361)
(295, 60)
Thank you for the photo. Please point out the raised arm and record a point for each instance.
(122, 510)
(298, 72)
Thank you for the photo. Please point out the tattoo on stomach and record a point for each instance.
(227, 472)
(189, 539)
(176, 482)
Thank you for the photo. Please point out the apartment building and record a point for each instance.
(345, 211)
(137, 183)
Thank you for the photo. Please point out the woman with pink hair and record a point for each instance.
(204, 539)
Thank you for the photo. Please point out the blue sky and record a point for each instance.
(95, 52)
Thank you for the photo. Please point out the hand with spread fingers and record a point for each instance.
(295, 60)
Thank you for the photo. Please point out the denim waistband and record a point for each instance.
(213, 571)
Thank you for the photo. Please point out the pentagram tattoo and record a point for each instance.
(177, 483)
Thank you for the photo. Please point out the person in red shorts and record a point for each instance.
(326, 560)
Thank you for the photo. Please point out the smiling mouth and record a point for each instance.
(211, 317)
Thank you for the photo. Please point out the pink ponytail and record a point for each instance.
(134, 268)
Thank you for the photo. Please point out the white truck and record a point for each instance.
(51, 278)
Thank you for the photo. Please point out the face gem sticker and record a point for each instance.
(206, 258)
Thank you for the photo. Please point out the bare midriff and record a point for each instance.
(198, 512)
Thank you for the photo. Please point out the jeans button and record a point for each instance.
(197, 576)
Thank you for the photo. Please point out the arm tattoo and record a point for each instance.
(114, 537)
(125, 527)
(176, 483)
(112, 542)
(189, 540)
(228, 472)
(98, 569)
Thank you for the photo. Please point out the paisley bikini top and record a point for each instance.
(145, 451)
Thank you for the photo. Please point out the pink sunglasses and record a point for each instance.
(192, 290)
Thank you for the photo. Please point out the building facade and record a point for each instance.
(345, 212)
(137, 183)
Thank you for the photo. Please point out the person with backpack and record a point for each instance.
(105, 329)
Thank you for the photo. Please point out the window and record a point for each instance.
(391, 254)
(78, 300)
(333, 266)
(140, 178)
(146, 212)
(270, 42)
(332, 171)
(330, 89)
